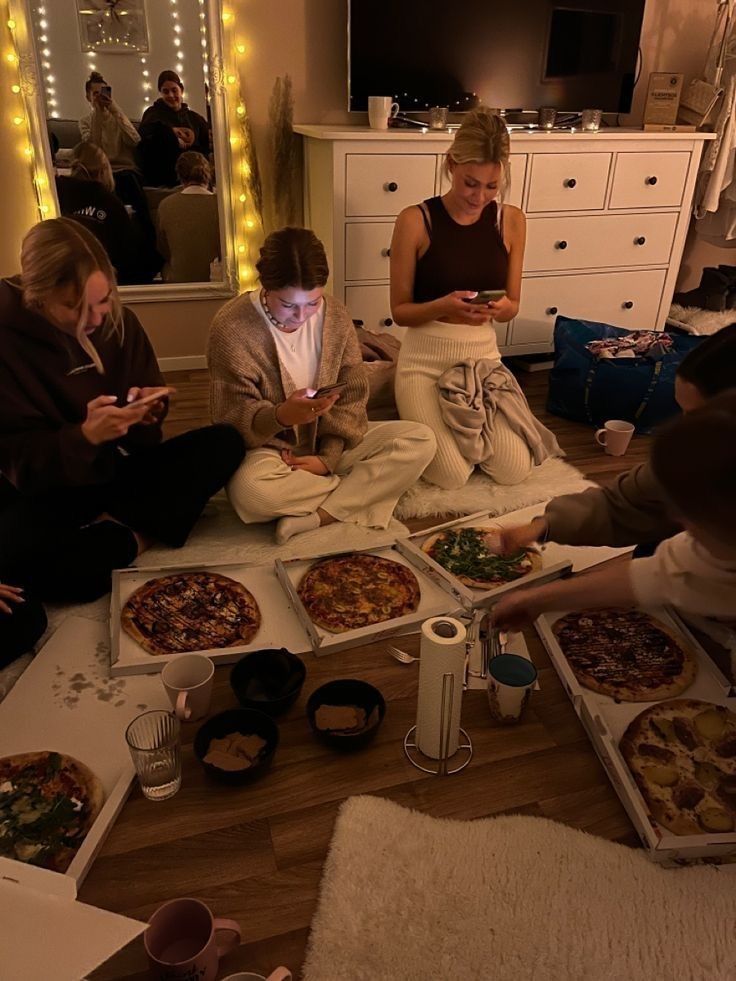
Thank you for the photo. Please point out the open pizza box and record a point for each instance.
(434, 601)
(280, 626)
(66, 702)
(606, 720)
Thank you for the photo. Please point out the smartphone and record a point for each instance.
(487, 296)
(153, 397)
(320, 393)
(107, 91)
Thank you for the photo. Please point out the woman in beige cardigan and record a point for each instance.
(312, 459)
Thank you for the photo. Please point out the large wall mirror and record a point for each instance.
(140, 157)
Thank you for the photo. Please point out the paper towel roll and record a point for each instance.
(442, 651)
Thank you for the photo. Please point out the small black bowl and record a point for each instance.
(347, 691)
(268, 681)
(247, 721)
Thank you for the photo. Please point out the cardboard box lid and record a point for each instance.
(76, 938)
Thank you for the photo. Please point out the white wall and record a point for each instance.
(123, 71)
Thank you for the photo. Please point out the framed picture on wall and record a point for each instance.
(113, 25)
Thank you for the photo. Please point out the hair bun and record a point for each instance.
(96, 77)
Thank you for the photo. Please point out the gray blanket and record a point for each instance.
(471, 393)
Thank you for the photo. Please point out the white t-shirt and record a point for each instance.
(683, 573)
(300, 351)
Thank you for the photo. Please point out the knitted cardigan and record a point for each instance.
(248, 382)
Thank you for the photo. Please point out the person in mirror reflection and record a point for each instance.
(169, 128)
(443, 252)
(694, 463)
(632, 510)
(188, 224)
(91, 482)
(88, 196)
(311, 460)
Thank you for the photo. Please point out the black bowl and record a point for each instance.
(347, 691)
(247, 721)
(268, 681)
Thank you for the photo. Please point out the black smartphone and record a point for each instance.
(320, 393)
(487, 296)
(107, 90)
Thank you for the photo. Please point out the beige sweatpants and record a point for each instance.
(426, 353)
(367, 482)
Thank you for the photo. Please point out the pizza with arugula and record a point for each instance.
(473, 555)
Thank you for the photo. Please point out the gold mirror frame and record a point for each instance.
(221, 82)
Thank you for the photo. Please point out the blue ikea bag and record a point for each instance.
(584, 388)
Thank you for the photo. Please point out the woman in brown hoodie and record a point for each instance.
(82, 401)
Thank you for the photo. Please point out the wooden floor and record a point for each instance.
(255, 854)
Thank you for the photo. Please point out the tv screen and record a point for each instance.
(509, 54)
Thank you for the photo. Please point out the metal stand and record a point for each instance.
(440, 766)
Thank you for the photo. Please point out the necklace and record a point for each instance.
(279, 326)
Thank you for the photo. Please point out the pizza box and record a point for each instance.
(606, 725)
(434, 601)
(66, 701)
(280, 625)
(555, 566)
(709, 677)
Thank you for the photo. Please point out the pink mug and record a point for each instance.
(181, 941)
(615, 436)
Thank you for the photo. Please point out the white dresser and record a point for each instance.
(607, 215)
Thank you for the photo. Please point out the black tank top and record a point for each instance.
(460, 257)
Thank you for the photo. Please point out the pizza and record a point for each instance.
(626, 654)
(473, 555)
(682, 754)
(350, 591)
(190, 611)
(48, 803)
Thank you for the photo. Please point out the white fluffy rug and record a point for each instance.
(697, 321)
(552, 478)
(406, 897)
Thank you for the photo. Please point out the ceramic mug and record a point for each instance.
(380, 108)
(615, 436)
(182, 943)
(511, 678)
(280, 974)
(188, 683)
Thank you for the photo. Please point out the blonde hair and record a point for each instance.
(60, 253)
(482, 138)
(91, 163)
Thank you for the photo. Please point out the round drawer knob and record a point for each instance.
(627, 304)
(639, 240)
(391, 186)
(387, 322)
(570, 182)
(551, 311)
(561, 245)
(651, 181)
(385, 253)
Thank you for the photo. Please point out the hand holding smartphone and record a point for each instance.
(154, 396)
(483, 297)
(320, 393)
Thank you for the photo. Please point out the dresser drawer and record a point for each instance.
(517, 169)
(599, 241)
(628, 299)
(384, 184)
(568, 181)
(372, 305)
(649, 180)
(367, 247)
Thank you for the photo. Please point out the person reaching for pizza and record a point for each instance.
(81, 411)
(286, 371)
(694, 464)
(632, 510)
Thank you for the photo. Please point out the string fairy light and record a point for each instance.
(20, 113)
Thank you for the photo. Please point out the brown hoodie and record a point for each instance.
(46, 381)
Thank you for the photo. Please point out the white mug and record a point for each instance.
(615, 436)
(188, 683)
(280, 974)
(380, 107)
(511, 678)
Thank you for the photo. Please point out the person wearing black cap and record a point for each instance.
(168, 128)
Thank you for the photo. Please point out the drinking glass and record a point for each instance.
(153, 741)
(546, 117)
(438, 117)
(591, 120)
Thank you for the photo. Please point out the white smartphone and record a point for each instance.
(486, 296)
(152, 397)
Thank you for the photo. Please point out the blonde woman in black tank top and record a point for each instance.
(443, 252)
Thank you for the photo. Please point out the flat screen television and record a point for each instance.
(510, 54)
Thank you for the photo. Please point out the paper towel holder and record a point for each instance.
(412, 752)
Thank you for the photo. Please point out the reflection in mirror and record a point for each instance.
(129, 127)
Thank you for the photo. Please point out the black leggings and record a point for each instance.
(20, 629)
(53, 546)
